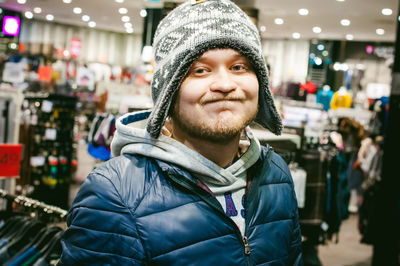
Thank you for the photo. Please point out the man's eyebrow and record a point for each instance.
(204, 58)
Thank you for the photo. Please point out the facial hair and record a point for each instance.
(219, 132)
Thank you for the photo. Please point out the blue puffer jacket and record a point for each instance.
(135, 210)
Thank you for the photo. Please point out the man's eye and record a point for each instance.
(239, 67)
(200, 71)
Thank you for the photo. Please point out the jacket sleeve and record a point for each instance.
(101, 228)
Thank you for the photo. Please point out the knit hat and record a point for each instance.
(185, 34)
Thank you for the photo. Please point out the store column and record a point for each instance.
(387, 215)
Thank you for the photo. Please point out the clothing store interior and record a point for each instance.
(70, 68)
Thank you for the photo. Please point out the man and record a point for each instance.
(194, 187)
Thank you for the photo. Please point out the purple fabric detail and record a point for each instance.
(230, 205)
(243, 212)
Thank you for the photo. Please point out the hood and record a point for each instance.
(131, 137)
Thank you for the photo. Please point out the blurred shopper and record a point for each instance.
(195, 187)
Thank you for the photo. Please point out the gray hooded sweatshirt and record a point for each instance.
(227, 184)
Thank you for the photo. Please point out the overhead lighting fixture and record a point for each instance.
(67, 1)
(37, 10)
(320, 47)
(340, 0)
(316, 29)
(85, 18)
(21, 2)
(129, 30)
(349, 37)
(296, 35)
(123, 10)
(303, 12)
(28, 14)
(125, 19)
(263, 28)
(279, 21)
(387, 11)
(92, 24)
(128, 25)
(77, 10)
(119, 1)
(380, 31)
(345, 22)
(49, 17)
(143, 13)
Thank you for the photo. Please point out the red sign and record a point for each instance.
(10, 157)
(75, 47)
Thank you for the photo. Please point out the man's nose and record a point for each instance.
(223, 81)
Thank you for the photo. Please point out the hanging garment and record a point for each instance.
(299, 179)
(324, 97)
(309, 86)
(340, 100)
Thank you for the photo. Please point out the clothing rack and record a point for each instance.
(32, 203)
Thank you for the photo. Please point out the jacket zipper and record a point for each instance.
(190, 186)
(246, 246)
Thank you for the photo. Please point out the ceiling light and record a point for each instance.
(21, 2)
(128, 25)
(123, 10)
(296, 35)
(387, 11)
(279, 21)
(129, 30)
(92, 24)
(49, 17)
(77, 10)
(119, 1)
(340, 0)
(320, 47)
(303, 11)
(380, 31)
(125, 19)
(349, 37)
(345, 22)
(28, 14)
(143, 13)
(85, 18)
(67, 1)
(37, 10)
(316, 30)
(263, 28)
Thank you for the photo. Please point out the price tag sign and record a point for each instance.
(10, 157)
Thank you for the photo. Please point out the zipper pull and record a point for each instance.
(246, 246)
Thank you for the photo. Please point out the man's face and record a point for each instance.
(218, 97)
